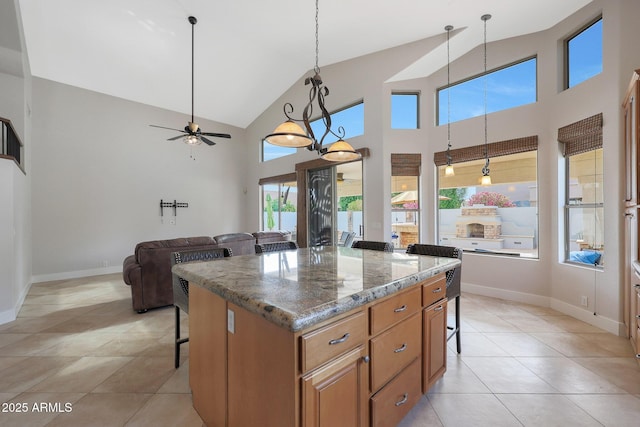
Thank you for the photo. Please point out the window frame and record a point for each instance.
(568, 206)
(566, 51)
(415, 93)
(480, 76)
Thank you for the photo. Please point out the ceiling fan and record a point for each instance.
(192, 134)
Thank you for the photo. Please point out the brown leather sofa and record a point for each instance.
(148, 270)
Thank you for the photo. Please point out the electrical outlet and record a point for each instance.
(584, 301)
(172, 221)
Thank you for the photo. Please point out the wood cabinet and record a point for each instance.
(631, 114)
(368, 366)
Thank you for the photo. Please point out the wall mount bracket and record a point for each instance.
(173, 205)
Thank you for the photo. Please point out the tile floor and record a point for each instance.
(78, 348)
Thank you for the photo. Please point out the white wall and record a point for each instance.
(546, 281)
(100, 170)
(15, 220)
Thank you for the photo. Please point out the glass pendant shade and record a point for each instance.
(448, 171)
(289, 134)
(485, 180)
(192, 140)
(341, 151)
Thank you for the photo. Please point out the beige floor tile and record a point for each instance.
(619, 346)
(568, 376)
(141, 375)
(530, 323)
(31, 324)
(8, 361)
(135, 344)
(521, 344)
(40, 408)
(571, 344)
(82, 375)
(477, 344)
(178, 382)
(458, 379)
(10, 338)
(621, 371)
(507, 375)
(570, 324)
(30, 371)
(421, 415)
(102, 410)
(610, 410)
(548, 410)
(487, 322)
(167, 410)
(477, 410)
(31, 345)
(79, 344)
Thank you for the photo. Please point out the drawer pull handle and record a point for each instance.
(403, 400)
(401, 349)
(438, 308)
(436, 291)
(400, 309)
(340, 340)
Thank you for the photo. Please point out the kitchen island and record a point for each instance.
(315, 336)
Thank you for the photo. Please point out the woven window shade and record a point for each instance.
(581, 136)
(494, 149)
(405, 164)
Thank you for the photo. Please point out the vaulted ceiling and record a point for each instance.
(247, 52)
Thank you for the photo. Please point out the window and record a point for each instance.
(270, 151)
(279, 203)
(351, 119)
(405, 200)
(404, 110)
(584, 54)
(498, 219)
(507, 87)
(584, 191)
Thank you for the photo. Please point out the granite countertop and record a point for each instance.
(296, 289)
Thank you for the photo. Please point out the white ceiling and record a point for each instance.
(248, 52)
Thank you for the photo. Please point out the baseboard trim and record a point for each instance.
(75, 274)
(11, 315)
(7, 316)
(604, 323)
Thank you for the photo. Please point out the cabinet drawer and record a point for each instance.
(395, 400)
(434, 289)
(394, 349)
(393, 310)
(324, 344)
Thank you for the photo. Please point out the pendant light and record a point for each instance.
(486, 178)
(448, 170)
(291, 134)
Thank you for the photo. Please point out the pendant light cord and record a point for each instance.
(448, 28)
(317, 67)
(485, 18)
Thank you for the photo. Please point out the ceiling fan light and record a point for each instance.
(192, 140)
(341, 151)
(289, 134)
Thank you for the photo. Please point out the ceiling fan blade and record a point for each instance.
(217, 135)
(175, 137)
(207, 141)
(162, 127)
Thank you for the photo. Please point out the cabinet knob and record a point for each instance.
(366, 359)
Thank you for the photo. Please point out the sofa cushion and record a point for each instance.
(271, 236)
(239, 243)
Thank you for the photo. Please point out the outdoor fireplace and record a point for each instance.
(479, 222)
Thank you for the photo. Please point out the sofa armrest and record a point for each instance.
(131, 271)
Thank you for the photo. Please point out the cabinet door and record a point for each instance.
(434, 352)
(332, 396)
